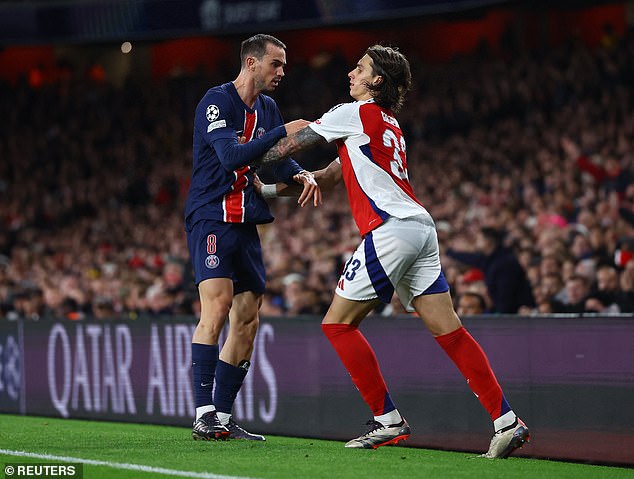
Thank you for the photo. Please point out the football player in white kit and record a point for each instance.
(399, 251)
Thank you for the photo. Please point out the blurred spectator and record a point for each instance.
(91, 194)
(608, 171)
(470, 304)
(627, 283)
(299, 298)
(505, 279)
(472, 281)
(577, 291)
(607, 295)
(28, 304)
(103, 309)
(552, 288)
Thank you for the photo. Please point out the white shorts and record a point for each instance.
(400, 255)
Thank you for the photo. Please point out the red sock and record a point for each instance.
(467, 354)
(359, 359)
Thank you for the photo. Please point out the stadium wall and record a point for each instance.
(571, 379)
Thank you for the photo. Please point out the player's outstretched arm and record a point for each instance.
(327, 178)
(293, 143)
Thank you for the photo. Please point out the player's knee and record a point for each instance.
(215, 302)
(213, 315)
(218, 307)
(217, 291)
(208, 329)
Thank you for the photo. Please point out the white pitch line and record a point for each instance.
(121, 465)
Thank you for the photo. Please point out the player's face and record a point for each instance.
(360, 77)
(469, 305)
(269, 71)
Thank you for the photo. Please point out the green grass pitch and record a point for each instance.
(122, 451)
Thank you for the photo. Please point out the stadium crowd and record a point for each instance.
(533, 150)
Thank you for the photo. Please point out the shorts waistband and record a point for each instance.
(425, 219)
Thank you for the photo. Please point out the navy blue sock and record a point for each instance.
(228, 382)
(204, 359)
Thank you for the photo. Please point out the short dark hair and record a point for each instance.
(578, 277)
(478, 297)
(256, 46)
(493, 234)
(393, 67)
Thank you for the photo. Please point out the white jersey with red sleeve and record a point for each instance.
(372, 153)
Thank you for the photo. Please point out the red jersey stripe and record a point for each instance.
(364, 215)
(234, 200)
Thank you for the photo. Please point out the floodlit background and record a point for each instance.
(521, 119)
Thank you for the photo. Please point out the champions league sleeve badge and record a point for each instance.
(212, 113)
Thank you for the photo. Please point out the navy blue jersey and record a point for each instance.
(221, 187)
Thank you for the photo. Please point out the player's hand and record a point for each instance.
(242, 140)
(311, 188)
(571, 149)
(295, 125)
(257, 184)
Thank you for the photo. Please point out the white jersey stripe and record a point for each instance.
(373, 161)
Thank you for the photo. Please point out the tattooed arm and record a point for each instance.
(285, 147)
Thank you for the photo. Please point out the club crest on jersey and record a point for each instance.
(212, 113)
(212, 261)
(260, 132)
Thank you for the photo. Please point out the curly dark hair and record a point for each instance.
(394, 69)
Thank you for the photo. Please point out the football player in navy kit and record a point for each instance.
(234, 124)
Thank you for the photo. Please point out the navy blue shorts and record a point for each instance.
(227, 250)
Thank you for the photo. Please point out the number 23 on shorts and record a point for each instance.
(350, 269)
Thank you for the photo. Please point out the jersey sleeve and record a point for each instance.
(233, 155)
(339, 122)
(213, 116)
(213, 121)
(285, 170)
